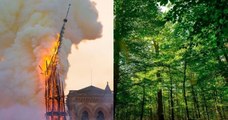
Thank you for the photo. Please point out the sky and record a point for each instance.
(91, 62)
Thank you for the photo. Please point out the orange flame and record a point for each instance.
(54, 95)
(47, 57)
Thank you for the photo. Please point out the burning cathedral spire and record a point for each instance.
(29, 38)
(54, 90)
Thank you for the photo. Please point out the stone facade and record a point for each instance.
(90, 103)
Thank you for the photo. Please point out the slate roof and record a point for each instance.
(91, 90)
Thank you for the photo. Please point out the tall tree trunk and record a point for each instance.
(160, 112)
(151, 109)
(133, 112)
(178, 115)
(204, 116)
(142, 106)
(184, 91)
(222, 108)
(205, 104)
(126, 112)
(119, 32)
(219, 113)
(171, 95)
(151, 113)
(116, 71)
(164, 108)
(160, 106)
(169, 107)
(196, 104)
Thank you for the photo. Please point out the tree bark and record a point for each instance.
(160, 112)
(151, 109)
(160, 106)
(178, 115)
(171, 95)
(205, 104)
(219, 113)
(195, 102)
(184, 91)
(142, 106)
(119, 32)
(222, 108)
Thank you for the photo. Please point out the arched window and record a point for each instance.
(85, 116)
(100, 116)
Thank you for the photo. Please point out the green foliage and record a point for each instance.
(151, 42)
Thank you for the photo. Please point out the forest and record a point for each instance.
(171, 59)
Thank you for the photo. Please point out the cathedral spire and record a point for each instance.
(107, 89)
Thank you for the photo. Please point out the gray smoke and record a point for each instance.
(28, 30)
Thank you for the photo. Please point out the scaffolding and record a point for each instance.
(54, 90)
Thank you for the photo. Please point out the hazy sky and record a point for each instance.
(92, 61)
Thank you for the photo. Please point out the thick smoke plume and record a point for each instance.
(28, 29)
